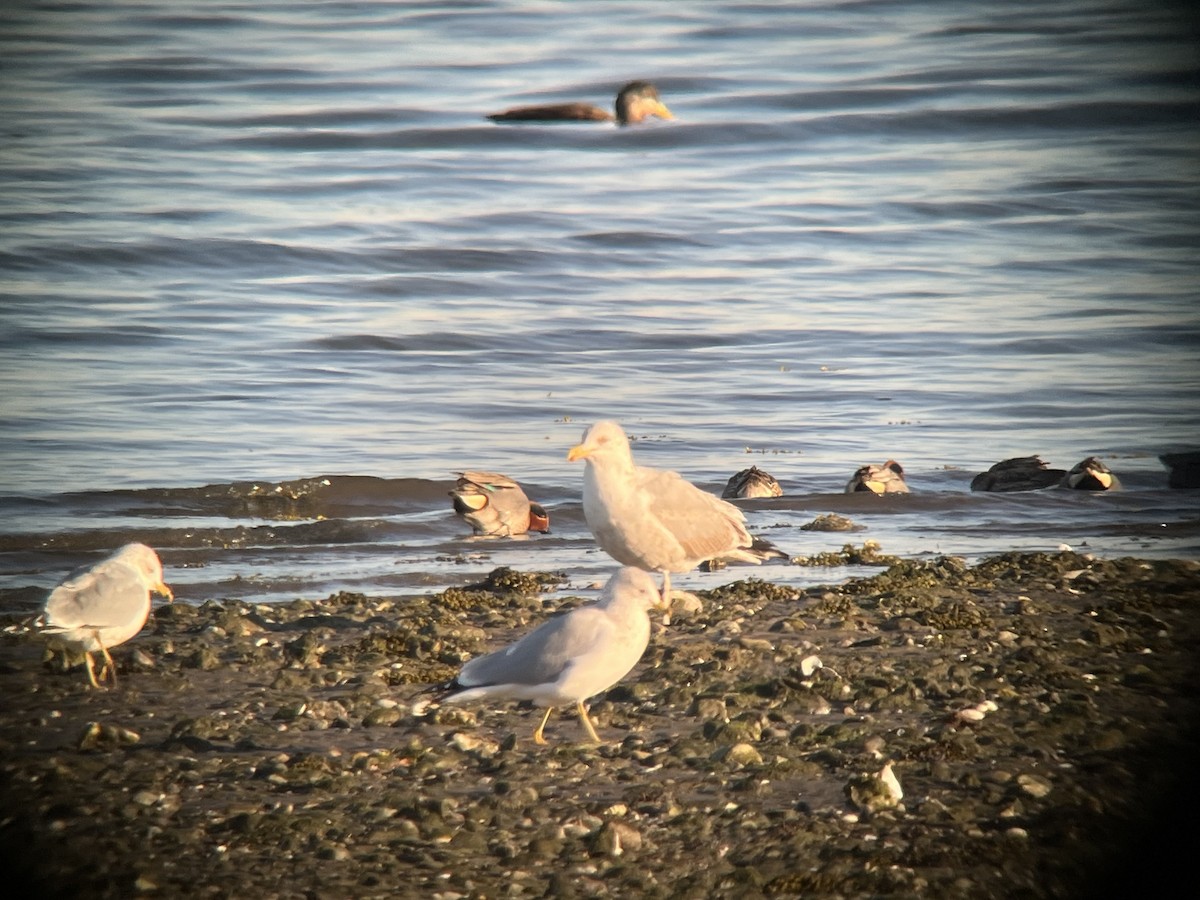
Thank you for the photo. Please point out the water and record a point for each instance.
(249, 243)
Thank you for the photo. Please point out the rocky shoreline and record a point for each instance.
(1025, 727)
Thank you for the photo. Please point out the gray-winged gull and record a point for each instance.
(654, 519)
(571, 657)
(99, 607)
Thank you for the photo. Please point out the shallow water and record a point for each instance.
(254, 243)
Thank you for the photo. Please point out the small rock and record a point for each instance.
(1034, 785)
(756, 645)
(712, 709)
(290, 711)
(685, 603)
(875, 792)
(741, 754)
(614, 838)
(97, 736)
(382, 716)
(469, 743)
(205, 659)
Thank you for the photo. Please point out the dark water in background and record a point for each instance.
(244, 243)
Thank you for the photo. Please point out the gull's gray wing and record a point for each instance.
(704, 525)
(106, 595)
(541, 656)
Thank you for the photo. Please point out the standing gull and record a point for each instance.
(98, 608)
(495, 505)
(571, 657)
(654, 519)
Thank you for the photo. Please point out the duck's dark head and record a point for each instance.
(639, 100)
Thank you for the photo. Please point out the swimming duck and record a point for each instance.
(1091, 475)
(1020, 473)
(1184, 468)
(495, 505)
(751, 482)
(885, 479)
(636, 102)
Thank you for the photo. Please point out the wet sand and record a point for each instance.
(1038, 714)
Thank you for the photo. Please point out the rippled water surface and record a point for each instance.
(252, 243)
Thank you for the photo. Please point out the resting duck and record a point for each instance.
(495, 505)
(1091, 475)
(751, 482)
(1184, 469)
(636, 102)
(1021, 473)
(885, 479)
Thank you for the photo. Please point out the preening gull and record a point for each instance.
(98, 608)
(654, 519)
(495, 505)
(571, 657)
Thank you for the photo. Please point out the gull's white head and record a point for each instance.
(147, 564)
(603, 441)
(633, 585)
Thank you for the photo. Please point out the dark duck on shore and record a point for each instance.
(636, 102)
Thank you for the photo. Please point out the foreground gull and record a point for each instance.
(1091, 475)
(571, 657)
(885, 479)
(98, 608)
(652, 518)
(636, 102)
(495, 505)
(750, 483)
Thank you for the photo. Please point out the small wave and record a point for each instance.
(325, 496)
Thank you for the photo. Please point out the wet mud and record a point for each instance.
(1022, 728)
